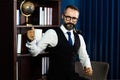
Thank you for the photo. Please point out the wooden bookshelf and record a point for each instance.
(27, 67)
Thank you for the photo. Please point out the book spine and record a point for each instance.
(19, 43)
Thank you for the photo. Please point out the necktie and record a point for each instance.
(69, 38)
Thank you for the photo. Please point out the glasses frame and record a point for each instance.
(69, 18)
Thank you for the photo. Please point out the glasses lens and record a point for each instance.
(68, 18)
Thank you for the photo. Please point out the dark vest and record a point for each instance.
(62, 58)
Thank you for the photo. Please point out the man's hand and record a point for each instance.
(30, 34)
(88, 71)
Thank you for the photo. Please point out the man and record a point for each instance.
(63, 54)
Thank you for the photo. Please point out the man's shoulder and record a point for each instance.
(52, 31)
(78, 32)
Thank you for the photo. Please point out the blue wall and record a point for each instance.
(100, 25)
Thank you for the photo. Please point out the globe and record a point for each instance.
(27, 8)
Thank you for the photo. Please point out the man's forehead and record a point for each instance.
(72, 12)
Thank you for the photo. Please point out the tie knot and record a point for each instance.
(69, 38)
(69, 33)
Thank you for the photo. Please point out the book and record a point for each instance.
(17, 17)
(19, 43)
(17, 70)
(45, 15)
(45, 65)
(50, 16)
(41, 16)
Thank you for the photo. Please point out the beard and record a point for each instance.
(69, 26)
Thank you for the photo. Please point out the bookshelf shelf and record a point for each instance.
(27, 67)
(40, 26)
(29, 55)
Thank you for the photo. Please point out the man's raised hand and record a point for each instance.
(31, 34)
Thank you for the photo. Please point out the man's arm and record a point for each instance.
(84, 57)
(36, 47)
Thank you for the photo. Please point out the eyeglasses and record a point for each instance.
(68, 18)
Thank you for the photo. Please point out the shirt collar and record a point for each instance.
(65, 30)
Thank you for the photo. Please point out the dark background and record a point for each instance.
(6, 40)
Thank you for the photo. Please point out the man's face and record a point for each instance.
(70, 18)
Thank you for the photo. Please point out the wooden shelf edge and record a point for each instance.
(28, 54)
(47, 26)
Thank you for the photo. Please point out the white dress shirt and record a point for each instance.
(50, 39)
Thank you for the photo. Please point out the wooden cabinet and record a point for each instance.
(27, 67)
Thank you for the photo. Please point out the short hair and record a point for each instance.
(71, 7)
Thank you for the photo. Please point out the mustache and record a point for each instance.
(69, 26)
(70, 23)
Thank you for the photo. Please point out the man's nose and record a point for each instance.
(71, 20)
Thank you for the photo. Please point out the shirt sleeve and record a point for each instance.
(49, 39)
(83, 55)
